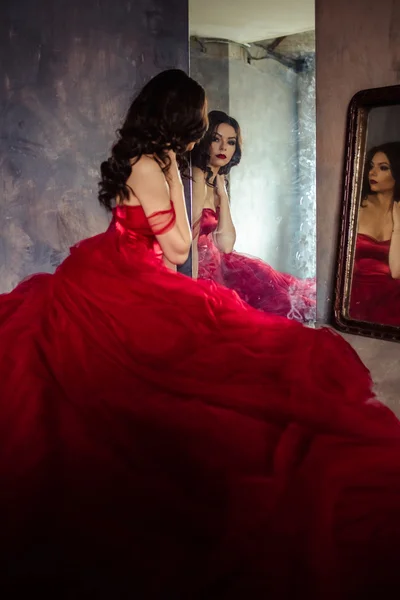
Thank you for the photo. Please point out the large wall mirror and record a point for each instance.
(253, 197)
(368, 273)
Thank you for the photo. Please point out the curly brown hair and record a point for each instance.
(169, 113)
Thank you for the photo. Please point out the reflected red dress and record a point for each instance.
(161, 439)
(256, 282)
(375, 295)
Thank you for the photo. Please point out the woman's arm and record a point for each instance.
(394, 252)
(169, 264)
(225, 236)
(195, 258)
(177, 193)
(199, 193)
(150, 186)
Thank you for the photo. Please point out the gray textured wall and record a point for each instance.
(383, 125)
(358, 47)
(211, 70)
(304, 235)
(264, 185)
(68, 70)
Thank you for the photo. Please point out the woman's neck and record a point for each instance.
(384, 200)
(215, 170)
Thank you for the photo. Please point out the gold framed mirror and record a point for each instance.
(367, 295)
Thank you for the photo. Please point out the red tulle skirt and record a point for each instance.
(161, 439)
(257, 283)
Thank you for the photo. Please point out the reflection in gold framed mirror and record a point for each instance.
(253, 191)
(367, 298)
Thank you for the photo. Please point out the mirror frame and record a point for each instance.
(356, 138)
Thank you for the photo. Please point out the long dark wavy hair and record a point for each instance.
(392, 151)
(201, 153)
(169, 113)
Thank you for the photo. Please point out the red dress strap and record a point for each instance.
(162, 221)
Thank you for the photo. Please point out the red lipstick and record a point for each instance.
(222, 156)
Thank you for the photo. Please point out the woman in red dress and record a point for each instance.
(214, 258)
(161, 439)
(375, 293)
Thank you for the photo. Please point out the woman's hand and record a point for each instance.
(220, 186)
(396, 216)
(173, 175)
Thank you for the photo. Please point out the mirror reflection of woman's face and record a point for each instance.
(380, 174)
(223, 145)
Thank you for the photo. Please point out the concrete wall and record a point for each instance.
(303, 231)
(211, 70)
(68, 71)
(358, 47)
(263, 187)
(383, 125)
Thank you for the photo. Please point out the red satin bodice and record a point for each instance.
(132, 222)
(208, 223)
(372, 256)
(132, 218)
(375, 295)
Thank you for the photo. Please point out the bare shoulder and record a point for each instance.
(198, 175)
(366, 215)
(368, 202)
(199, 190)
(369, 208)
(146, 165)
(148, 186)
(363, 210)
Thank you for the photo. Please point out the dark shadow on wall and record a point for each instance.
(68, 71)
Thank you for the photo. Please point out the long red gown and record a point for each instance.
(375, 295)
(256, 282)
(160, 439)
